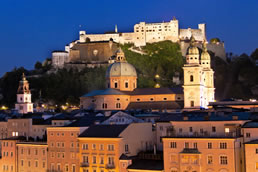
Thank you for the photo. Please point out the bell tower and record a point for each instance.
(198, 78)
(24, 104)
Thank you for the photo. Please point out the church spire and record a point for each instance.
(120, 55)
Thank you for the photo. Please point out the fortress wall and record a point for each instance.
(218, 49)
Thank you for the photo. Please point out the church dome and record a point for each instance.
(119, 69)
(205, 55)
(192, 49)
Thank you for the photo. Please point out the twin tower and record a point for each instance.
(198, 78)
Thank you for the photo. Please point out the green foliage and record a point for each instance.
(254, 55)
(38, 65)
(58, 88)
(162, 58)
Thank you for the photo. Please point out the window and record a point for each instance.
(94, 159)
(21, 162)
(223, 145)
(66, 167)
(111, 160)
(165, 98)
(94, 146)
(28, 163)
(118, 105)
(111, 147)
(180, 130)
(195, 145)
(192, 103)
(172, 144)
(223, 160)
(115, 84)
(126, 148)
(73, 168)
(191, 78)
(126, 84)
(104, 105)
(43, 164)
(256, 150)
(36, 163)
(85, 159)
(213, 129)
(85, 146)
(36, 152)
(58, 167)
(226, 130)
(209, 159)
(191, 129)
(248, 135)
(209, 145)
(101, 160)
(101, 147)
(186, 144)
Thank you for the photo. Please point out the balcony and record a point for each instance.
(110, 166)
(84, 164)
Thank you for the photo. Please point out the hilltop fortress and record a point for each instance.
(95, 49)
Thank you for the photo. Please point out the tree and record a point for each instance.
(254, 55)
(38, 65)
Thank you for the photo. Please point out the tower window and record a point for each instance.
(116, 85)
(126, 84)
(192, 103)
(118, 105)
(104, 105)
(191, 78)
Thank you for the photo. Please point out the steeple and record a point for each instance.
(120, 55)
(24, 104)
(23, 86)
(192, 55)
(205, 56)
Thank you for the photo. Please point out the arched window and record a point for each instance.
(126, 84)
(191, 78)
(116, 85)
(118, 105)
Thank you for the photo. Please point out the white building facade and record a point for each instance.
(198, 78)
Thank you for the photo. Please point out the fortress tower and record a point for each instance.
(24, 104)
(198, 78)
(121, 75)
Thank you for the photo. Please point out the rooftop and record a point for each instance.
(144, 164)
(104, 131)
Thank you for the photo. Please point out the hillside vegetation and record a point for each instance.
(233, 79)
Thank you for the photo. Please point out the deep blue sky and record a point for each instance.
(31, 29)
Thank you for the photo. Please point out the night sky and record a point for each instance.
(31, 29)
